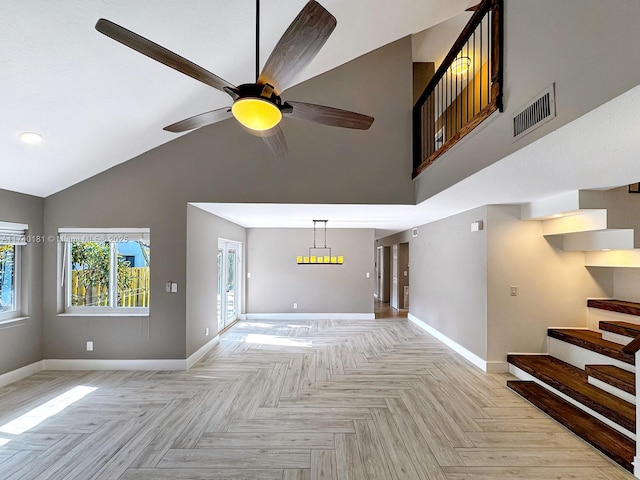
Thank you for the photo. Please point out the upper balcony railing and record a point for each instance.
(464, 91)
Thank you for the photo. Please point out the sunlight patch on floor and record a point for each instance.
(46, 410)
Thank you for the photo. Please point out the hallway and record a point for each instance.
(384, 310)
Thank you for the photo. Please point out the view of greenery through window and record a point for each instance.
(7, 277)
(93, 275)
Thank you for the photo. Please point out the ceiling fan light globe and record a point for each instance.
(256, 113)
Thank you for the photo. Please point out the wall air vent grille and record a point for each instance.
(538, 112)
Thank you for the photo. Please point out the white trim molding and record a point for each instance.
(95, 364)
(20, 373)
(310, 316)
(489, 367)
(201, 352)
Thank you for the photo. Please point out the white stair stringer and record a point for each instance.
(579, 357)
(522, 375)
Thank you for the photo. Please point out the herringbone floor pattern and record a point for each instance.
(295, 400)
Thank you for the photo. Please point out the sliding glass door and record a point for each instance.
(229, 277)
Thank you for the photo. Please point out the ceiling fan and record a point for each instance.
(258, 106)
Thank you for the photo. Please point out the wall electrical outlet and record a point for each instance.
(89, 346)
(368, 274)
(295, 305)
(514, 291)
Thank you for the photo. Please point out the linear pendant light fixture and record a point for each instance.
(319, 256)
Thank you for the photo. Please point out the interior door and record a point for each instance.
(394, 276)
(379, 264)
(229, 288)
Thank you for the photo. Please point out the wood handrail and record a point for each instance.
(442, 110)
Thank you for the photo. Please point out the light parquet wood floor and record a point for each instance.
(295, 400)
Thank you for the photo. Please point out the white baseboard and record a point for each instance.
(20, 373)
(490, 367)
(201, 352)
(94, 364)
(310, 316)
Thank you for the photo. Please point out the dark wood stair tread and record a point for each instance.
(593, 341)
(604, 438)
(572, 381)
(615, 376)
(621, 328)
(620, 306)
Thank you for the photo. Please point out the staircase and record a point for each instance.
(587, 381)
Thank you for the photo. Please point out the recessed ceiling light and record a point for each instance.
(30, 137)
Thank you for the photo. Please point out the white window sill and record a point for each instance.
(98, 314)
(13, 320)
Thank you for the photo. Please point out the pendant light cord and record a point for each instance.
(257, 39)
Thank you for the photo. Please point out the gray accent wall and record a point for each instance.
(203, 232)
(20, 341)
(277, 281)
(222, 163)
(548, 41)
(553, 285)
(460, 282)
(448, 265)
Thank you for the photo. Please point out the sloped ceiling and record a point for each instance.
(98, 104)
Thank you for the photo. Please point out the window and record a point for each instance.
(106, 271)
(12, 236)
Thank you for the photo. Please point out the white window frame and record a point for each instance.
(14, 234)
(113, 236)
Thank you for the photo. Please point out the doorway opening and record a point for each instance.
(229, 283)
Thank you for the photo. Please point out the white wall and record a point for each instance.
(277, 281)
(203, 231)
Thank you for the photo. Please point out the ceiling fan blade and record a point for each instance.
(329, 115)
(200, 120)
(160, 54)
(298, 46)
(274, 138)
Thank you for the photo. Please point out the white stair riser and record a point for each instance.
(579, 357)
(584, 221)
(627, 397)
(596, 315)
(615, 337)
(613, 239)
(522, 375)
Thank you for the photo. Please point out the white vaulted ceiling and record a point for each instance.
(98, 103)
